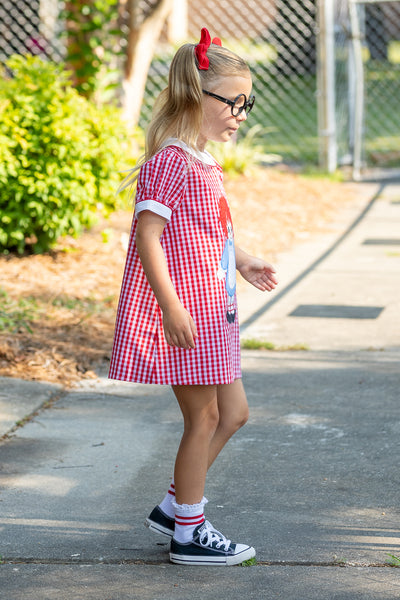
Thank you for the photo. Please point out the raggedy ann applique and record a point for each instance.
(227, 266)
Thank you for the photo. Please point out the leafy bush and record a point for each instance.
(59, 157)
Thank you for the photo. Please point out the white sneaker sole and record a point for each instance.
(158, 528)
(214, 561)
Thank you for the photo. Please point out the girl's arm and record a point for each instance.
(179, 327)
(256, 271)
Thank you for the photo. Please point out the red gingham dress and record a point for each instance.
(186, 188)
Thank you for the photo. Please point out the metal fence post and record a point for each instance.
(326, 85)
(359, 77)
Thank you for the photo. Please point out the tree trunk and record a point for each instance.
(77, 38)
(143, 36)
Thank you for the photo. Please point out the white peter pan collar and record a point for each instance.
(204, 156)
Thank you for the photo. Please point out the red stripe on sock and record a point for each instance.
(189, 521)
(171, 492)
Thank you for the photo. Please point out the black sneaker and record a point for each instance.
(209, 547)
(158, 521)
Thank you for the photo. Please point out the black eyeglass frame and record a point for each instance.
(247, 105)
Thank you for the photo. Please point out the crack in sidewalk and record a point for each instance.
(54, 397)
(143, 562)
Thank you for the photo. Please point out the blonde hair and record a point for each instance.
(178, 110)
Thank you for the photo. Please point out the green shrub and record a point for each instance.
(59, 157)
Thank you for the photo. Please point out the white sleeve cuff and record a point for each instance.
(155, 207)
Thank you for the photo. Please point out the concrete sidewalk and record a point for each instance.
(312, 481)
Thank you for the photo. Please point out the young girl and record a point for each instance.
(177, 320)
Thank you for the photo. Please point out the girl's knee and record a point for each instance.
(244, 417)
(230, 423)
(233, 407)
(240, 419)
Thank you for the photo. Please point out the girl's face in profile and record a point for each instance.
(219, 125)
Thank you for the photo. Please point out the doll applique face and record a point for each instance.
(227, 265)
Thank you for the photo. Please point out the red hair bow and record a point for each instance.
(202, 47)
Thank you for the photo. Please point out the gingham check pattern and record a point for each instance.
(185, 190)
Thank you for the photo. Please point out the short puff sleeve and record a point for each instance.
(161, 182)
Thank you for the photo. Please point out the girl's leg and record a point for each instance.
(199, 406)
(233, 413)
(211, 416)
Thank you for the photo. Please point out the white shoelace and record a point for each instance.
(208, 535)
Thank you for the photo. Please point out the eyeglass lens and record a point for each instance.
(242, 104)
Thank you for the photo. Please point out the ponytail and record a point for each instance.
(178, 109)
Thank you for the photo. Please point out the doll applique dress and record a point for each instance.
(185, 187)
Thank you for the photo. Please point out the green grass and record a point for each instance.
(382, 120)
(255, 344)
(88, 305)
(394, 52)
(394, 561)
(17, 314)
(314, 172)
(288, 108)
(249, 563)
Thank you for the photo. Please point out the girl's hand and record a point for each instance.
(256, 271)
(179, 328)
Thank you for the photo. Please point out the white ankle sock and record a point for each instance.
(187, 518)
(167, 503)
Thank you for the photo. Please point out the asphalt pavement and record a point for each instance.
(312, 481)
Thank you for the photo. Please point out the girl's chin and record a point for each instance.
(224, 137)
(228, 135)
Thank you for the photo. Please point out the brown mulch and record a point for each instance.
(73, 291)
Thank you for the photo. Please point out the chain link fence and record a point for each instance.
(30, 27)
(278, 39)
(367, 47)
